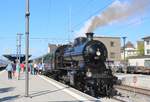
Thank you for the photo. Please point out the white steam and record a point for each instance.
(115, 12)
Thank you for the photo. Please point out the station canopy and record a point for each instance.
(14, 57)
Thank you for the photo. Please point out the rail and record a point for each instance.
(117, 99)
(133, 89)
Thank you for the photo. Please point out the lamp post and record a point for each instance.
(27, 14)
(124, 42)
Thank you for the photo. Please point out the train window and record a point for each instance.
(147, 63)
(112, 44)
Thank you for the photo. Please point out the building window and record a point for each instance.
(112, 44)
(148, 51)
(147, 42)
(112, 55)
(147, 63)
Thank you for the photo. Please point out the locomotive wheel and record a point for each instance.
(90, 91)
(79, 86)
(79, 82)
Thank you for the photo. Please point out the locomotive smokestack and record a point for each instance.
(90, 36)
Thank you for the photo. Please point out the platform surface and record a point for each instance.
(41, 89)
(135, 80)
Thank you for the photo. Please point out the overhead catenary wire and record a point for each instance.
(34, 38)
(53, 38)
(132, 23)
(93, 14)
(97, 11)
(83, 6)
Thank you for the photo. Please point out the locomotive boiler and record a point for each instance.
(82, 66)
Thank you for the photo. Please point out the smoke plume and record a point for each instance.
(116, 11)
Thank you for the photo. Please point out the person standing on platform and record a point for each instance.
(31, 68)
(35, 68)
(18, 70)
(22, 66)
(9, 69)
(40, 68)
(14, 69)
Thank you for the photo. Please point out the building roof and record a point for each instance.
(148, 37)
(129, 45)
(13, 57)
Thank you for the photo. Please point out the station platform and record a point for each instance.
(135, 80)
(41, 89)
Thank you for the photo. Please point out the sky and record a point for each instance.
(59, 21)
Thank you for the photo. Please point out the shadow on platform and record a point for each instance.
(2, 90)
(39, 93)
(8, 98)
(78, 101)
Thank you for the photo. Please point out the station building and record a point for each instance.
(130, 50)
(113, 45)
(143, 60)
(147, 45)
(52, 48)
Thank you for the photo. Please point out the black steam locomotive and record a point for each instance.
(82, 66)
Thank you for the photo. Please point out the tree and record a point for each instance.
(141, 48)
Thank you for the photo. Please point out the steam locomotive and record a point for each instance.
(82, 66)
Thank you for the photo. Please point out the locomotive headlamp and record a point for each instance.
(98, 53)
(88, 73)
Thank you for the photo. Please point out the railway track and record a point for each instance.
(133, 89)
(117, 99)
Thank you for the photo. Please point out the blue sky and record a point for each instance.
(50, 20)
